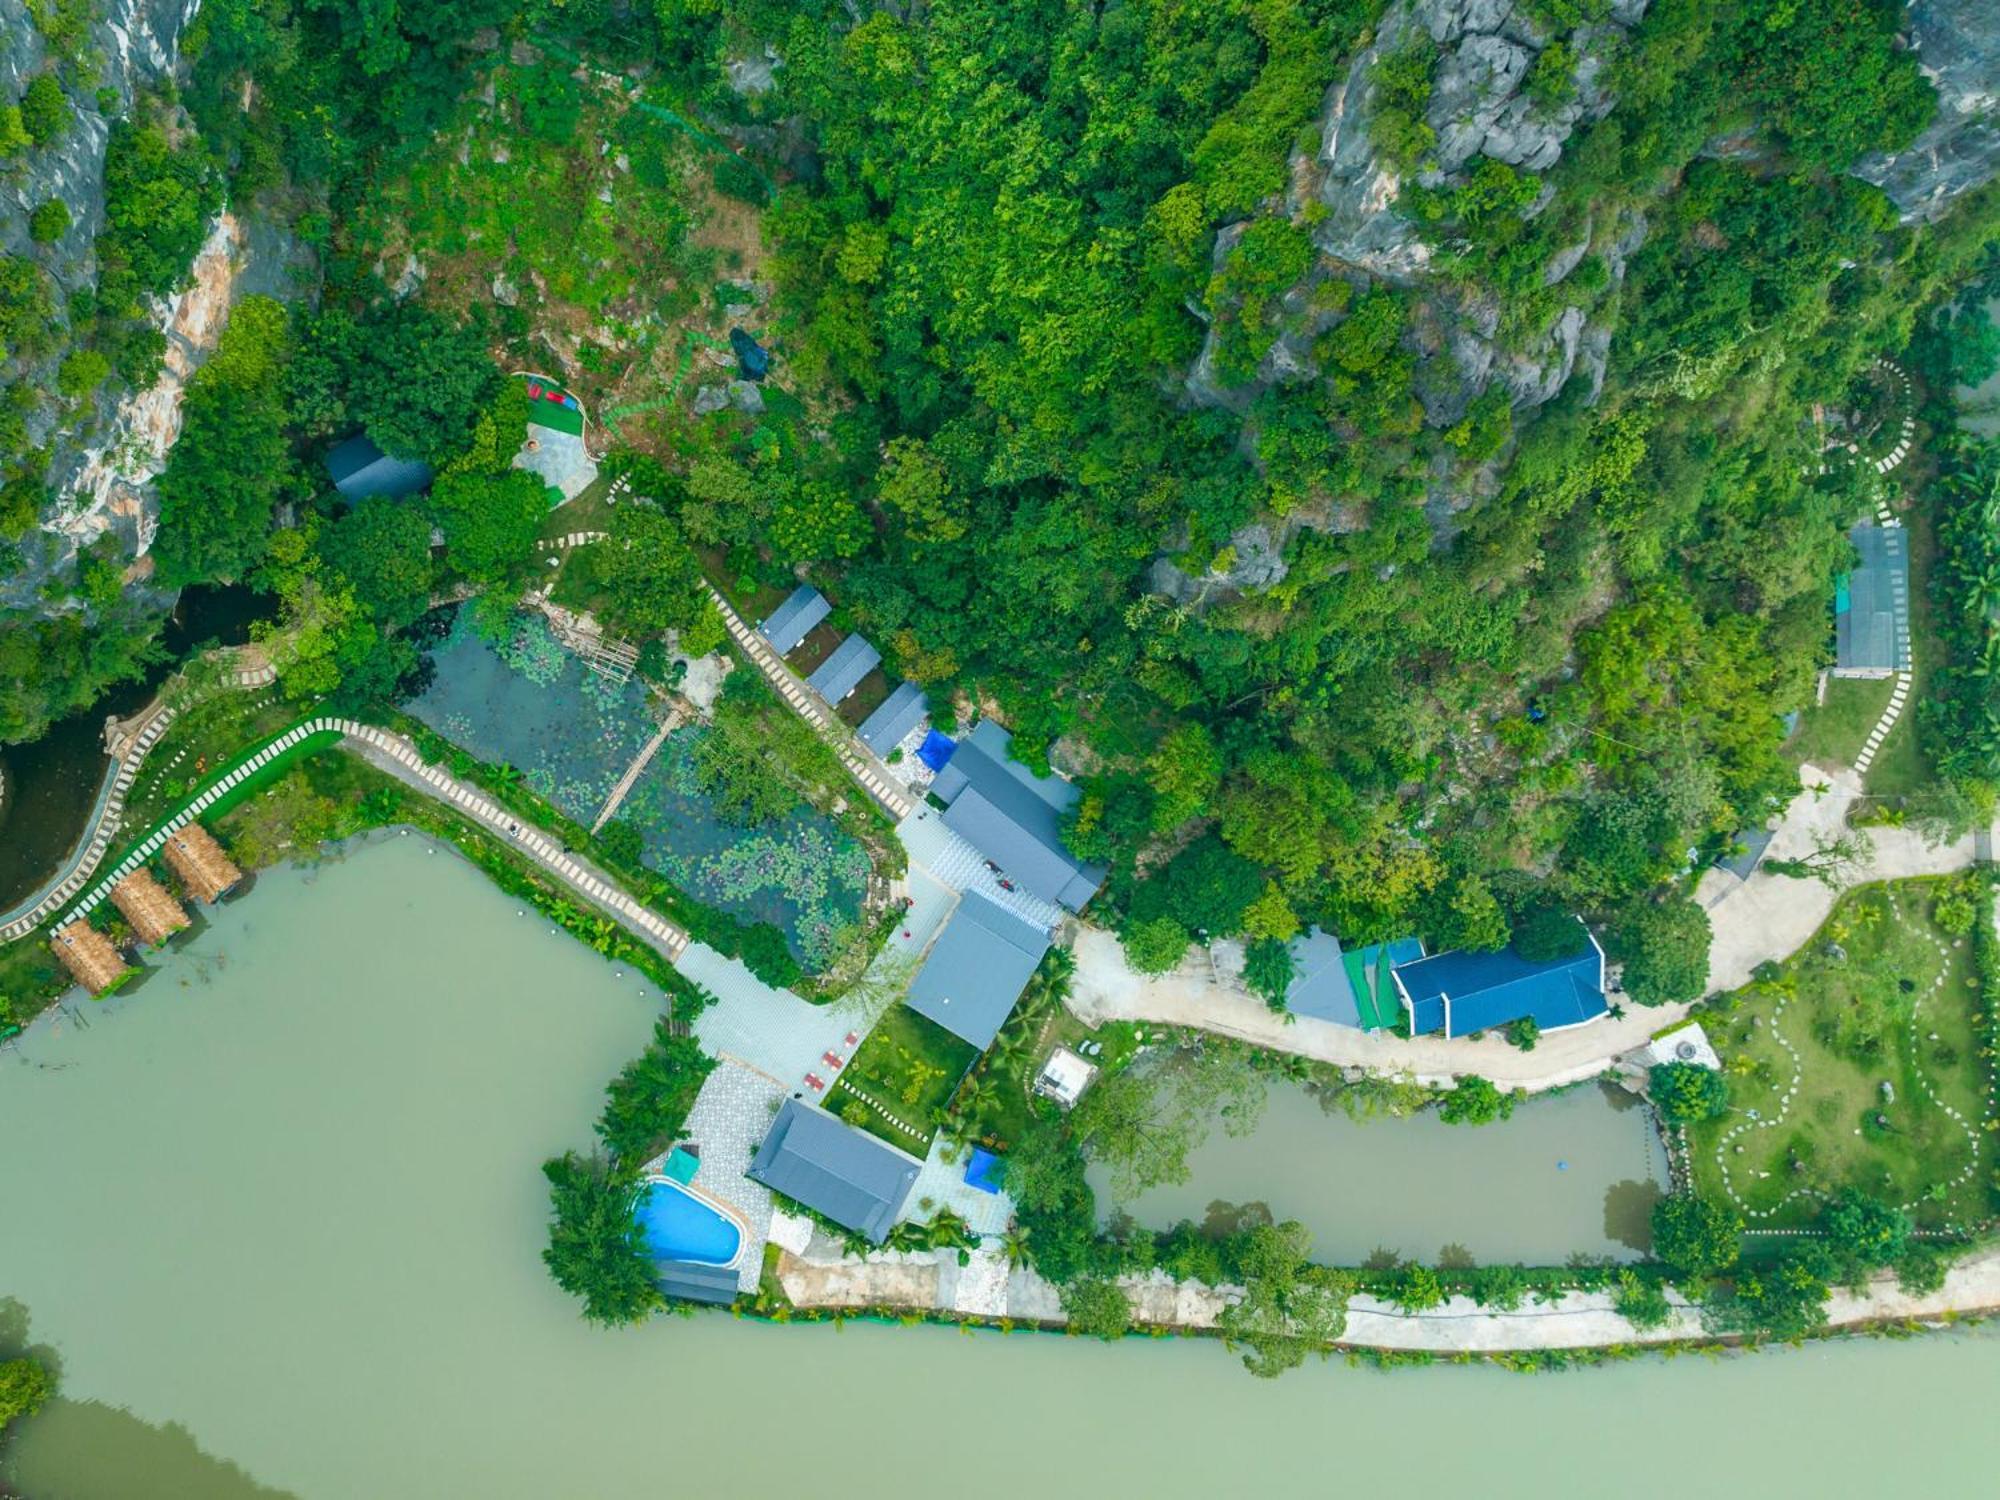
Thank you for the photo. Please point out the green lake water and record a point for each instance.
(1578, 1172)
(279, 1217)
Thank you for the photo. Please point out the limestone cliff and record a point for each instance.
(1958, 45)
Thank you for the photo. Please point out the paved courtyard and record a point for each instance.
(726, 1125)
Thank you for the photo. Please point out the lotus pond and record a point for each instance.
(572, 734)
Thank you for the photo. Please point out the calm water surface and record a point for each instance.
(279, 1217)
(1578, 1172)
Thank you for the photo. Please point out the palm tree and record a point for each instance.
(1015, 1247)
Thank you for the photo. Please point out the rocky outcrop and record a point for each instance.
(1958, 46)
(135, 42)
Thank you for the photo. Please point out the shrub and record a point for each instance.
(1685, 1094)
(1695, 1235)
(49, 223)
(81, 372)
(44, 110)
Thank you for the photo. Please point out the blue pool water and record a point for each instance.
(676, 1225)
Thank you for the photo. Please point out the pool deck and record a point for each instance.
(728, 1122)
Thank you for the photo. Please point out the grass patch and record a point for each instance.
(200, 744)
(30, 979)
(1882, 994)
(589, 511)
(911, 1067)
(1831, 734)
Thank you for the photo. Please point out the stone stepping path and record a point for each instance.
(873, 776)
(1898, 701)
(110, 814)
(398, 755)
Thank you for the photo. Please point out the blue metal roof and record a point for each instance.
(1462, 992)
(1013, 817)
(834, 1169)
(843, 669)
(690, 1281)
(1872, 634)
(896, 715)
(360, 469)
(793, 620)
(1320, 986)
(976, 971)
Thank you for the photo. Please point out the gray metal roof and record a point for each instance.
(360, 469)
(1873, 633)
(843, 669)
(793, 620)
(1320, 986)
(828, 1165)
(1013, 817)
(690, 1281)
(896, 715)
(980, 964)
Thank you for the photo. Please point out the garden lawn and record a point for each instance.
(910, 1066)
(589, 511)
(1831, 734)
(204, 741)
(1880, 995)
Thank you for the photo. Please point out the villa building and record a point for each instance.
(1349, 987)
(894, 718)
(792, 621)
(850, 1176)
(1460, 992)
(841, 673)
(976, 970)
(89, 955)
(1014, 817)
(154, 915)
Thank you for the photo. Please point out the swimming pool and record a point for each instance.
(678, 1224)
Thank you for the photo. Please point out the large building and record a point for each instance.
(1014, 817)
(977, 969)
(854, 1179)
(1461, 992)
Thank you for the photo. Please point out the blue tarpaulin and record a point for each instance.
(983, 1171)
(936, 750)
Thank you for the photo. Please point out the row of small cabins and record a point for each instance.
(149, 909)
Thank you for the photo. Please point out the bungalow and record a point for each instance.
(90, 956)
(792, 621)
(1014, 817)
(360, 469)
(977, 969)
(1871, 605)
(894, 718)
(193, 855)
(1461, 992)
(154, 915)
(843, 669)
(834, 1169)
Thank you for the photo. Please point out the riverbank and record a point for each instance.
(822, 1280)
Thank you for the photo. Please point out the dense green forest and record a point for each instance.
(1522, 657)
